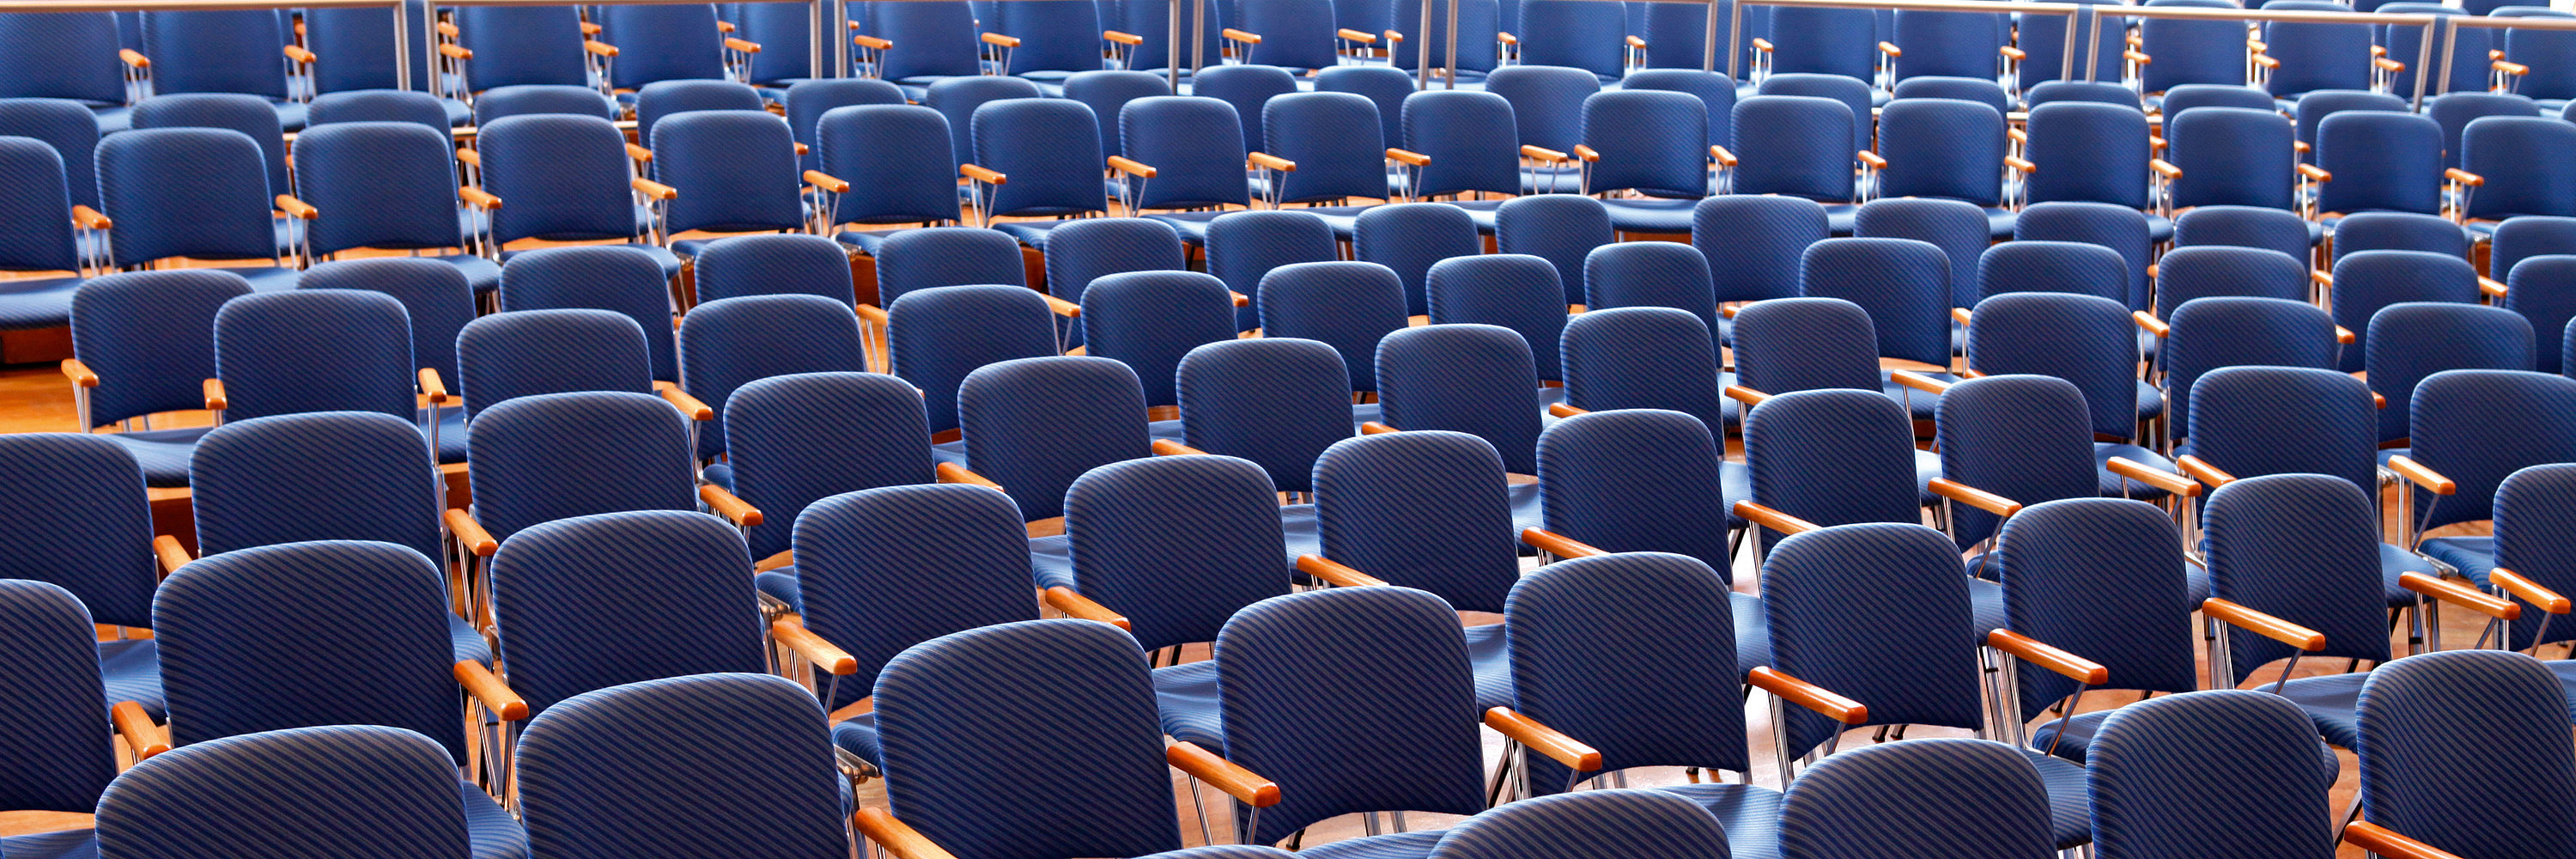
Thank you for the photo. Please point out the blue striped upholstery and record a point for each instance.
(1035, 424)
(2400, 231)
(2317, 56)
(1176, 543)
(883, 569)
(725, 344)
(1884, 621)
(1627, 653)
(1831, 41)
(785, 264)
(378, 184)
(248, 114)
(893, 179)
(1193, 145)
(1066, 699)
(1942, 147)
(70, 128)
(379, 105)
(2217, 270)
(172, 199)
(525, 352)
(1640, 480)
(1853, 92)
(314, 476)
(1422, 509)
(1653, 142)
(314, 351)
(735, 169)
(304, 791)
(1327, 134)
(61, 56)
(810, 99)
(939, 36)
(1961, 230)
(1914, 799)
(1108, 90)
(2253, 421)
(2412, 340)
(2478, 426)
(2465, 751)
(2545, 300)
(515, 99)
(2366, 281)
(665, 42)
(1047, 146)
(77, 519)
(597, 278)
(40, 235)
(2236, 156)
(1352, 700)
(1715, 90)
(2116, 227)
(2164, 774)
(1247, 89)
(595, 601)
(1794, 155)
(434, 296)
(1589, 826)
(1408, 238)
(1644, 357)
(1798, 344)
(632, 771)
(1467, 378)
(555, 456)
(1346, 305)
(796, 439)
(1560, 228)
(1094, 248)
(2299, 547)
(2210, 333)
(940, 334)
(1385, 90)
(2088, 151)
(57, 757)
(564, 177)
(1469, 136)
(1277, 401)
(2083, 339)
(522, 46)
(1514, 291)
(2381, 160)
(1242, 247)
(1902, 284)
(1650, 274)
(2102, 577)
(1948, 43)
(1149, 320)
(2246, 226)
(662, 98)
(1977, 89)
(1753, 243)
(2045, 266)
(1547, 101)
(2022, 437)
(946, 256)
(2531, 537)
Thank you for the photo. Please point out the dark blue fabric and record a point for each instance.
(2119, 228)
(2018, 436)
(59, 757)
(149, 336)
(616, 279)
(2412, 340)
(2366, 281)
(2155, 759)
(1715, 90)
(192, 192)
(1902, 284)
(514, 46)
(62, 55)
(343, 784)
(541, 458)
(1853, 92)
(2231, 156)
(773, 769)
(1653, 142)
(1465, 378)
(892, 179)
(36, 209)
(71, 129)
(1795, 154)
(1514, 291)
(679, 579)
(2102, 577)
(2089, 152)
(1471, 138)
(2478, 426)
(1408, 238)
(727, 343)
(2080, 338)
(1107, 91)
(2226, 331)
(1420, 509)
(1786, 345)
(1878, 613)
(1640, 480)
(1241, 247)
(1943, 148)
(1277, 401)
(1646, 357)
(2514, 802)
(883, 569)
(2299, 547)
(1177, 544)
(314, 351)
(1248, 89)
(1346, 305)
(564, 177)
(940, 334)
(1650, 274)
(1033, 425)
(1960, 229)
(2253, 421)
(1327, 135)
(1753, 243)
(2380, 160)
(539, 98)
(2244, 226)
(378, 184)
(661, 43)
(1048, 148)
(1150, 319)
(2520, 182)
(735, 170)
(946, 256)
(1559, 228)
(1619, 822)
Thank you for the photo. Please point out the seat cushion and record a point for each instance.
(1031, 233)
(268, 278)
(867, 241)
(1752, 632)
(67, 844)
(1999, 224)
(40, 302)
(2070, 804)
(1493, 665)
(2115, 486)
(1751, 816)
(1401, 845)
(1051, 561)
(1841, 218)
(2395, 561)
(490, 831)
(465, 643)
(132, 672)
(1193, 226)
(1920, 405)
(1735, 483)
(1303, 533)
(1927, 465)
(451, 434)
(858, 736)
(1986, 606)
(2332, 702)
(2159, 228)
(482, 274)
(2473, 557)
(1185, 698)
(670, 262)
(782, 585)
(1651, 216)
(163, 454)
(2151, 402)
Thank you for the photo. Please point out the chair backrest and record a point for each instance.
(785, 37)
(314, 351)
(1049, 147)
(1148, 320)
(798, 438)
(736, 170)
(1559, 228)
(624, 281)
(1980, 90)
(661, 42)
(1408, 238)
(2531, 507)
(809, 100)
(1248, 89)
(1853, 93)
(1826, 41)
(2243, 226)
(1088, 249)
(1107, 91)
(1179, 543)
(1638, 705)
(1386, 89)
(2253, 421)
(1906, 797)
(1650, 274)
(1346, 305)
(1515, 291)
(2477, 427)
(1035, 424)
(37, 209)
(228, 51)
(2219, 271)
(191, 192)
(150, 337)
(1796, 155)
(2455, 110)
(2366, 281)
(2311, 109)
(891, 180)
(1716, 91)
(1643, 357)
(69, 127)
(2412, 340)
(2098, 150)
(883, 569)
(1798, 344)
(1753, 243)
(2191, 52)
(379, 184)
(2083, 339)
(931, 40)
(2149, 760)
(2547, 300)
(2507, 147)
(1072, 696)
(1296, 34)
(2300, 547)
(521, 45)
(2400, 231)
(2105, 576)
(1606, 823)
(659, 99)
(61, 55)
(1422, 509)
(1910, 659)
(317, 476)
(782, 264)
(567, 592)
(433, 294)
(2119, 228)
(1569, 33)
(1861, 437)
(946, 256)
(247, 647)
(630, 453)
(725, 344)
(2232, 156)
(1942, 147)
(1955, 44)
(75, 508)
(1277, 401)
(2380, 160)
(1151, 19)
(2024, 437)
(1478, 21)
(342, 784)
(1902, 284)
(1241, 247)
(1654, 142)
(1466, 378)
(1470, 138)
(1328, 135)
(1960, 229)
(2413, 714)
(2316, 56)
(2209, 333)
(564, 178)
(2039, 265)
(1396, 688)
(539, 98)
(1636, 480)
(582, 763)
(940, 334)
(2546, 52)
(63, 761)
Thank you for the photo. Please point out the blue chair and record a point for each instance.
(2244, 226)
(1385, 86)
(891, 181)
(1479, 25)
(659, 99)
(2370, 280)
(1801, 160)
(1514, 291)
(2456, 110)
(1296, 35)
(1857, 433)
(1149, 320)
(391, 186)
(2310, 111)
(1409, 238)
(1819, 41)
(1574, 35)
(1033, 425)
(2233, 156)
(1150, 21)
(527, 46)
(728, 343)
(785, 58)
(2187, 96)
(635, 458)
(1471, 138)
(2541, 56)
(2399, 231)
(2230, 270)
(569, 180)
(246, 114)
(1951, 44)
(2501, 151)
(1716, 92)
(192, 192)
(735, 172)
(337, 784)
(71, 129)
(1901, 797)
(143, 343)
(666, 43)
(1327, 136)
(1463, 378)
(2108, 578)
(1644, 480)
(2412, 340)
(1106, 91)
(1944, 149)
(1242, 247)
(1902, 284)
(2543, 301)
(1981, 90)
(2206, 334)
(2471, 429)
(1644, 358)
(1651, 274)
(2040, 265)
(2314, 56)
(2156, 756)
(1805, 344)
(940, 334)
(1045, 149)
(541, 98)
(73, 503)
(783, 264)
(697, 588)
(929, 43)
(224, 52)
(807, 101)
(1631, 822)
(1044, 43)
(2193, 52)
(1753, 244)
(1960, 229)
(2509, 803)
(56, 668)
(2119, 228)
(71, 57)
(2384, 161)
(1248, 89)
(319, 351)
(40, 221)
(1651, 143)
(2097, 153)
(946, 256)
(2023, 438)
(1559, 228)
(1277, 401)
(1096, 248)
(2080, 91)
(2530, 556)
(1854, 93)
(795, 439)
(615, 279)
(1346, 305)
(2084, 340)
(439, 303)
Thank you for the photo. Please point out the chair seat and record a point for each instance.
(1650, 215)
(1051, 561)
(451, 434)
(131, 671)
(482, 274)
(1526, 511)
(782, 585)
(1493, 666)
(1185, 697)
(670, 262)
(1999, 223)
(1401, 845)
(117, 118)
(490, 831)
(1482, 212)
(1303, 533)
(1031, 233)
(268, 278)
(867, 241)
(2159, 228)
(1193, 226)
(2332, 702)
(1345, 220)
(858, 736)
(2473, 557)
(2394, 561)
(1920, 405)
(1750, 814)
(1752, 632)
(465, 643)
(949, 451)
(2070, 803)
(42, 302)
(1841, 218)
(1986, 606)
(2115, 486)
(2151, 402)
(67, 844)
(163, 454)
(1927, 465)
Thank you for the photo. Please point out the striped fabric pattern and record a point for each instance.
(434, 295)
(1654, 142)
(1277, 401)
(2366, 281)
(304, 792)
(1052, 172)
(314, 351)
(2210, 333)
(1242, 247)
(1196, 142)
(1753, 243)
(1960, 229)
(1034, 424)
(783, 264)
(796, 439)
(1464, 378)
(1515, 291)
(56, 754)
(1639, 480)
(599, 278)
(1798, 344)
(2101, 577)
(1559, 228)
(633, 770)
(564, 174)
(1649, 274)
(1149, 319)
(1942, 147)
(2073, 136)
(555, 456)
(2238, 226)
(1176, 543)
(383, 183)
(943, 333)
(1064, 701)
(1914, 799)
(946, 256)
(2465, 751)
(1608, 824)
(1795, 154)
(78, 520)
(315, 476)
(2045, 266)
(2303, 548)
(2535, 516)
(1878, 613)
(736, 168)
(194, 192)
(523, 352)
(1422, 509)
(2235, 156)
(1644, 357)
(2253, 421)
(894, 179)
(1833, 458)
(2543, 301)
(883, 569)
(726, 343)
(149, 336)
(2203, 271)
(1346, 305)
(2479, 426)
(594, 601)
(2082, 339)
(40, 238)
(1352, 700)
(2400, 231)
(1408, 238)
(1453, 127)
(2412, 340)
(1628, 653)
(2022, 437)
(2119, 228)
(2160, 772)
(1094, 248)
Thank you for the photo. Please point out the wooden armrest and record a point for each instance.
(1541, 153)
(1565, 411)
(903, 841)
(1586, 153)
(1558, 544)
(1239, 299)
(1729, 310)
(1375, 428)
(1761, 45)
(2491, 287)
(1919, 381)
(2155, 142)
(2408, 468)
(133, 58)
(1393, 37)
(688, 405)
(2386, 843)
(1773, 519)
(1269, 161)
(950, 472)
(1507, 38)
(297, 208)
(299, 54)
(1168, 447)
(133, 725)
(2256, 45)
(786, 558)
(1890, 49)
(470, 534)
(478, 198)
(1356, 36)
(2018, 135)
(2516, 69)
(2266, 61)
(2463, 177)
(431, 387)
(1121, 37)
(728, 505)
(448, 30)
(1061, 307)
(2388, 65)
(2315, 172)
(867, 41)
(80, 374)
(1748, 396)
(1336, 573)
(172, 555)
(589, 29)
(2160, 479)
(1543, 739)
(724, 26)
(488, 689)
(1961, 315)
(1873, 159)
(2378, 400)
(640, 154)
(1637, 43)
(2523, 588)
(1724, 156)
(2045, 655)
(598, 47)
(470, 157)
(1075, 605)
(2344, 335)
(1808, 695)
(986, 175)
(2164, 168)
(2299, 146)
(874, 315)
(2012, 53)
(2019, 163)
(2150, 323)
(1222, 774)
(999, 39)
(2136, 56)
(214, 390)
(2460, 595)
(1129, 166)
(655, 190)
(89, 219)
(1408, 156)
(1974, 497)
(1233, 35)
(2202, 471)
(2262, 624)
(748, 47)
(827, 181)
